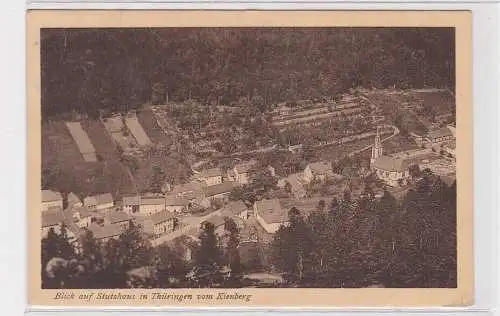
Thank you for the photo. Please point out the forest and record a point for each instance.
(350, 242)
(93, 70)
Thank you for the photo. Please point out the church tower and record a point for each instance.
(376, 149)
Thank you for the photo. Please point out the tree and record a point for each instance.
(291, 246)
(414, 171)
(232, 254)
(207, 271)
(56, 245)
(133, 248)
(55, 255)
(170, 267)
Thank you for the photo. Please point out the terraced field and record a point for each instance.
(148, 121)
(116, 174)
(64, 169)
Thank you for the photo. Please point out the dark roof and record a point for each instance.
(438, 133)
(321, 167)
(388, 163)
(117, 216)
(161, 217)
(221, 188)
(52, 217)
(49, 196)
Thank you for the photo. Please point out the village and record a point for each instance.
(250, 168)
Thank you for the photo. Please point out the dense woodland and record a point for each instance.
(351, 242)
(86, 70)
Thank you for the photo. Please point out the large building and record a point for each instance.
(394, 171)
(99, 202)
(148, 205)
(217, 192)
(272, 214)
(211, 176)
(439, 136)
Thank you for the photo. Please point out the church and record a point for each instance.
(394, 171)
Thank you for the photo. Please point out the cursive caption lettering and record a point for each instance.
(153, 296)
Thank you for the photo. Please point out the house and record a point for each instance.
(237, 209)
(119, 218)
(243, 172)
(394, 171)
(218, 222)
(130, 204)
(51, 199)
(151, 205)
(74, 200)
(163, 222)
(176, 205)
(99, 202)
(211, 176)
(318, 171)
(81, 216)
(218, 191)
(270, 215)
(106, 232)
(295, 183)
(192, 191)
(438, 136)
(148, 205)
(52, 219)
(73, 221)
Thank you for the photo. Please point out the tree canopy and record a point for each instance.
(88, 70)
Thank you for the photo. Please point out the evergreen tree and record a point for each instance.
(291, 247)
(208, 259)
(232, 255)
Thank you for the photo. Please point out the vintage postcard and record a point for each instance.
(250, 158)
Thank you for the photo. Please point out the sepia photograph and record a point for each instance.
(248, 157)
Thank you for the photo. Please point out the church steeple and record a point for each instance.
(377, 148)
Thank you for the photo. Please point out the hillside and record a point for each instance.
(87, 70)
